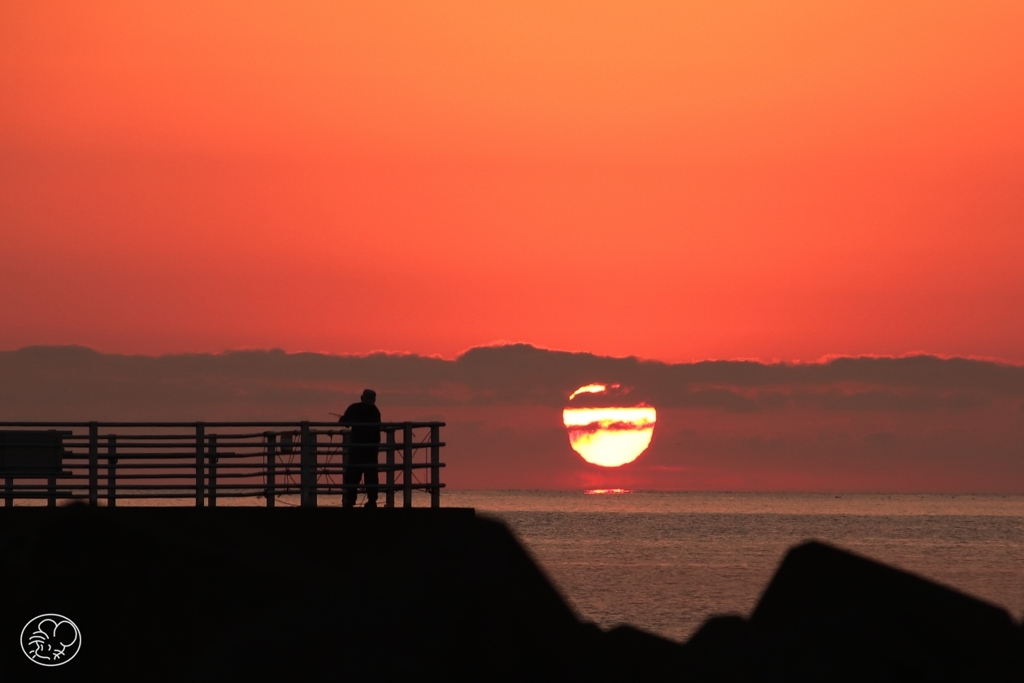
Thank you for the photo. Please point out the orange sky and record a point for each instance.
(671, 180)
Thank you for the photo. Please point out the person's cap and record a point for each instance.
(369, 393)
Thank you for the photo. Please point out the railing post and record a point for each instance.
(94, 464)
(435, 466)
(389, 476)
(212, 471)
(111, 471)
(346, 457)
(407, 466)
(307, 468)
(200, 439)
(271, 468)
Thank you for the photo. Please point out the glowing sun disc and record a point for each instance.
(610, 437)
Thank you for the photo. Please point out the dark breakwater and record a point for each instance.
(174, 594)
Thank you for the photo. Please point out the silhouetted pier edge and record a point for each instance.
(440, 593)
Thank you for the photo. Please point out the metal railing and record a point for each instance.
(104, 462)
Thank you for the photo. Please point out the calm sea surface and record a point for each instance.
(665, 562)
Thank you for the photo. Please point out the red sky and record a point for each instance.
(669, 180)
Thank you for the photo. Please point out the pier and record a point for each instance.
(101, 463)
(245, 592)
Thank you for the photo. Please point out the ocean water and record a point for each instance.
(665, 562)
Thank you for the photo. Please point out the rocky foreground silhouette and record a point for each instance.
(291, 594)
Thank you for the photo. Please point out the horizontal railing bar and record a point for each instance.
(187, 454)
(189, 494)
(129, 440)
(294, 425)
(70, 482)
(223, 442)
(246, 438)
(184, 495)
(130, 462)
(257, 461)
(141, 484)
(167, 454)
(71, 472)
(254, 450)
(320, 488)
(153, 470)
(180, 495)
(120, 436)
(79, 441)
(181, 482)
(234, 486)
(120, 455)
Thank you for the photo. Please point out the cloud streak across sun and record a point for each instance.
(608, 436)
(590, 389)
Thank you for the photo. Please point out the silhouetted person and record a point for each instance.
(364, 418)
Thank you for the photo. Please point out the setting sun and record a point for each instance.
(608, 436)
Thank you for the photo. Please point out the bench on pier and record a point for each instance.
(32, 455)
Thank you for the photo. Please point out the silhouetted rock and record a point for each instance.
(720, 650)
(629, 654)
(832, 615)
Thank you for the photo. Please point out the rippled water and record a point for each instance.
(665, 562)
